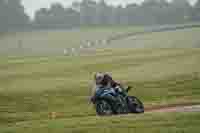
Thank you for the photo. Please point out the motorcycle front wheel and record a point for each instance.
(135, 105)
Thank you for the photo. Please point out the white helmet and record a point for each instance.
(99, 77)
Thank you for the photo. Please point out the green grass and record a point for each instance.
(33, 87)
(53, 42)
(46, 43)
(186, 38)
(151, 123)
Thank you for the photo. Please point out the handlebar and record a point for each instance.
(128, 89)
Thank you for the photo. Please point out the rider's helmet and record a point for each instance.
(99, 77)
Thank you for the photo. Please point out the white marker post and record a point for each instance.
(97, 42)
(65, 52)
(104, 42)
(73, 50)
(89, 44)
(81, 47)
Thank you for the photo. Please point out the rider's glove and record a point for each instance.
(118, 89)
(92, 99)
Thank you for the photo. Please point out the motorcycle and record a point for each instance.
(111, 102)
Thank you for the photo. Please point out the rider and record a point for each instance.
(105, 81)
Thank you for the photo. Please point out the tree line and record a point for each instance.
(91, 13)
(12, 16)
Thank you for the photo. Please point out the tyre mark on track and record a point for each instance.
(184, 107)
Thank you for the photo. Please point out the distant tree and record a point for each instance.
(180, 11)
(197, 4)
(16, 14)
(103, 13)
(132, 14)
(118, 15)
(72, 18)
(76, 6)
(12, 15)
(149, 11)
(196, 11)
(112, 18)
(57, 17)
(88, 12)
(3, 23)
(42, 18)
(162, 14)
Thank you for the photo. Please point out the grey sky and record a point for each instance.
(32, 5)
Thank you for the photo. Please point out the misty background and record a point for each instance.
(32, 6)
(20, 15)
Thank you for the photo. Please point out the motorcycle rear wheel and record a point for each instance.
(103, 108)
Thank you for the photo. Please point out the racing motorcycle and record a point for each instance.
(115, 102)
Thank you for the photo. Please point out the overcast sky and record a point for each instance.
(32, 5)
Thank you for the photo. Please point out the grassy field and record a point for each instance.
(31, 88)
(186, 38)
(47, 43)
(53, 42)
(148, 123)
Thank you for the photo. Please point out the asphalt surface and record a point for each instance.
(175, 108)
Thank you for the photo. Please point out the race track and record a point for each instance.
(175, 108)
